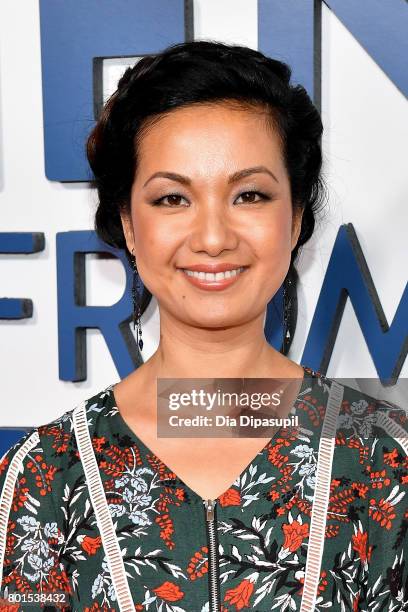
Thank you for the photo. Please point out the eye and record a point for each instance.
(173, 199)
(252, 195)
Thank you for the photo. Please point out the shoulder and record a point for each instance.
(367, 431)
(14, 459)
(372, 419)
(41, 481)
(51, 448)
(59, 435)
(372, 442)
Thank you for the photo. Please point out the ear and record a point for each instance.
(296, 225)
(126, 220)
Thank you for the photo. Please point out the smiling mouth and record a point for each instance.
(214, 276)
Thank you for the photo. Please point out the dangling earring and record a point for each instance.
(287, 303)
(136, 304)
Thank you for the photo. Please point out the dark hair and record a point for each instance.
(202, 72)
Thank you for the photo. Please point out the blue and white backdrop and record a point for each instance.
(64, 296)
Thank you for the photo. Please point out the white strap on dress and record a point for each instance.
(6, 495)
(102, 513)
(321, 498)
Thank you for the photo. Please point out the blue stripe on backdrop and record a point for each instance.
(286, 30)
(72, 35)
(75, 316)
(9, 436)
(12, 243)
(348, 276)
(382, 29)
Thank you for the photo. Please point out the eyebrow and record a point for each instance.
(236, 176)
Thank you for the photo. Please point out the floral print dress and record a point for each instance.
(87, 510)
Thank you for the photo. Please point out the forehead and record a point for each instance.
(209, 133)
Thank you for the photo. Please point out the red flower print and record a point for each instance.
(91, 545)
(383, 512)
(379, 479)
(4, 464)
(98, 443)
(323, 581)
(232, 497)
(169, 591)
(6, 606)
(240, 595)
(180, 494)
(294, 532)
(391, 458)
(360, 540)
(198, 565)
(20, 495)
(361, 488)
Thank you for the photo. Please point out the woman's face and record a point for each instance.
(211, 188)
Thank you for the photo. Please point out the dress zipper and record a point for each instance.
(209, 506)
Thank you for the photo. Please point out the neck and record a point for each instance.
(240, 351)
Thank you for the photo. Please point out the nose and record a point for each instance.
(213, 229)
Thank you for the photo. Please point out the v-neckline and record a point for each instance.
(307, 374)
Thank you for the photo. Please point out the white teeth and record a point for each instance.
(211, 276)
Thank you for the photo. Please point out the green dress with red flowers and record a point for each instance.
(91, 519)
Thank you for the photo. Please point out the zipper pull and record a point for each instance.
(209, 506)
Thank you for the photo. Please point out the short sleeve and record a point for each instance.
(30, 538)
(386, 549)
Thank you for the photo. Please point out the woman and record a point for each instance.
(206, 159)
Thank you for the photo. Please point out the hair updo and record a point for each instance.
(198, 72)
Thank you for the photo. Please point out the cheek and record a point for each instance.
(154, 248)
(149, 250)
(147, 234)
(272, 234)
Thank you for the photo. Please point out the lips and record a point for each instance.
(213, 280)
(220, 267)
(213, 276)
